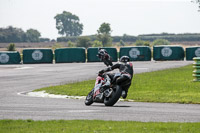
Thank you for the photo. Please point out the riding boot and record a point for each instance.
(124, 94)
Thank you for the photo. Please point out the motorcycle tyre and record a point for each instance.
(110, 101)
(89, 99)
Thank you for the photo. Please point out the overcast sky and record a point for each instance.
(132, 17)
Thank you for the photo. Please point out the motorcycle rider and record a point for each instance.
(126, 69)
(104, 56)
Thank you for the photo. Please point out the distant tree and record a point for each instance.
(66, 39)
(104, 34)
(198, 2)
(12, 34)
(84, 42)
(128, 38)
(160, 42)
(44, 39)
(53, 40)
(122, 43)
(124, 37)
(104, 29)
(68, 24)
(33, 35)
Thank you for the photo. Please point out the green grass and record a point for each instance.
(96, 126)
(169, 86)
(72, 89)
(172, 85)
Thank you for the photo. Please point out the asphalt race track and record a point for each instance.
(15, 79)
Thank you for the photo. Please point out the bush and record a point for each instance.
(146, 43)
(160, 42)
(142, 43)
(71, 44)
(105, 39)
(84, 42)
(97, 43)
(57, 45)
(11, 47)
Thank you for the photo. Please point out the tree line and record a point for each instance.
(12, 34)
(153, 37)
(147, 37)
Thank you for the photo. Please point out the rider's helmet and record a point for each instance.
(102, 52)
(124, 59)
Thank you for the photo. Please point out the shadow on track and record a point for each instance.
(116, 106)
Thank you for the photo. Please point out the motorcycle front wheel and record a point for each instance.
(114, 97)
(89, 99)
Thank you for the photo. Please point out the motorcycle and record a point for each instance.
(108, 96)
(105, 57)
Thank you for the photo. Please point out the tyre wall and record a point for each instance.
(168, 53)
(192, 52)
(33, 56)
(140, 53)
(92, 54)
(7, 57)
(68, 55)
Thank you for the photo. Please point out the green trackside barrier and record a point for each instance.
(168, 53)
(196, 66)
(138, 53)
(9, 57)
(92, 54)
(192, 52)
(68, 55)
(34, 56)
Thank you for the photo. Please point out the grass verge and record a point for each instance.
(95, 126)
(169, 86)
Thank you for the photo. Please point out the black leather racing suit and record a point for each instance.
(105, 57)
(126, 70)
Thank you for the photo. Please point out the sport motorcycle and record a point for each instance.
(108, 96)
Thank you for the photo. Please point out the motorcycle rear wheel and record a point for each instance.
(114, 97)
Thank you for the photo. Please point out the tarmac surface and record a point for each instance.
(16, 79)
